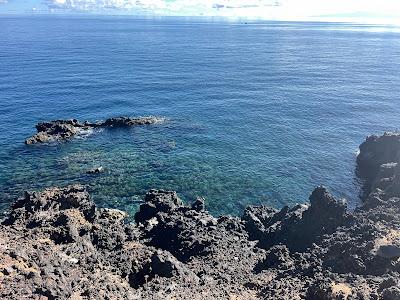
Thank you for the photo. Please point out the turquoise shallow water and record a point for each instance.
(257, 112)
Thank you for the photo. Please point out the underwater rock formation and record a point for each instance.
(56, 244)
(63, 129)
(97, 170)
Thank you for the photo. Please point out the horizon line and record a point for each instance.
(309, 19)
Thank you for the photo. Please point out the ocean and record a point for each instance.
(256, 112)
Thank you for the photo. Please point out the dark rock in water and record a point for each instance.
(378, 165)
(377, 158)
(376, 151)
(97, 170)
(64, 129)
(56, 244)
(126, 122)
(56, 130)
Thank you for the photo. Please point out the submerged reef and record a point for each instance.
(64, 129)
(56, 244)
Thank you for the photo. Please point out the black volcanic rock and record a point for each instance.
(172, 226)
(379, 166)
(64, 129)
(56, 244)
(127, 122)
(377, 160)
(296, 227)
(376, 151)
(56, 130)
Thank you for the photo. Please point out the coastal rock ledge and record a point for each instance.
(56, 244)
(64, 129)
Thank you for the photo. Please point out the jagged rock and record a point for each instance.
(277, 257)
(53, 239)
(366, 244)
(35, 209)
(257, 219)
(392, 293)
(376, 151)
(112, 215)
(56, 130)
(162, 264)
(325, 290)
(157, 201)
(57, 244)
(393, 190)
(174, 227)
(126, 122)
(64, 129)
(298, 227)
(388, 282)
(325, 213)
(199, 204)
(377, 155)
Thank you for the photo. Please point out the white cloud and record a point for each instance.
(342, 6)
(160, 5)
(272, 9)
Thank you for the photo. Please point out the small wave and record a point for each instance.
(156, 119)
(160, 120)
(86, 132)
(357, 152)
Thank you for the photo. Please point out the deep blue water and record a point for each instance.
(257, 112)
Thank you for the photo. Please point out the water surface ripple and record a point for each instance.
(257, 113)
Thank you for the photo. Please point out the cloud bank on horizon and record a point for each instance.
(271, 9)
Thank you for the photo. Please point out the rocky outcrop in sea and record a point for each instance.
(56, 244)
(64, 129)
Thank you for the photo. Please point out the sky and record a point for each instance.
(374, 10)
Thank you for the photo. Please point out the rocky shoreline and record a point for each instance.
(56, 244)
(59, 130)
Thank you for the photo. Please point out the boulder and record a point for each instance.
(296, 227)
(377, 156)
